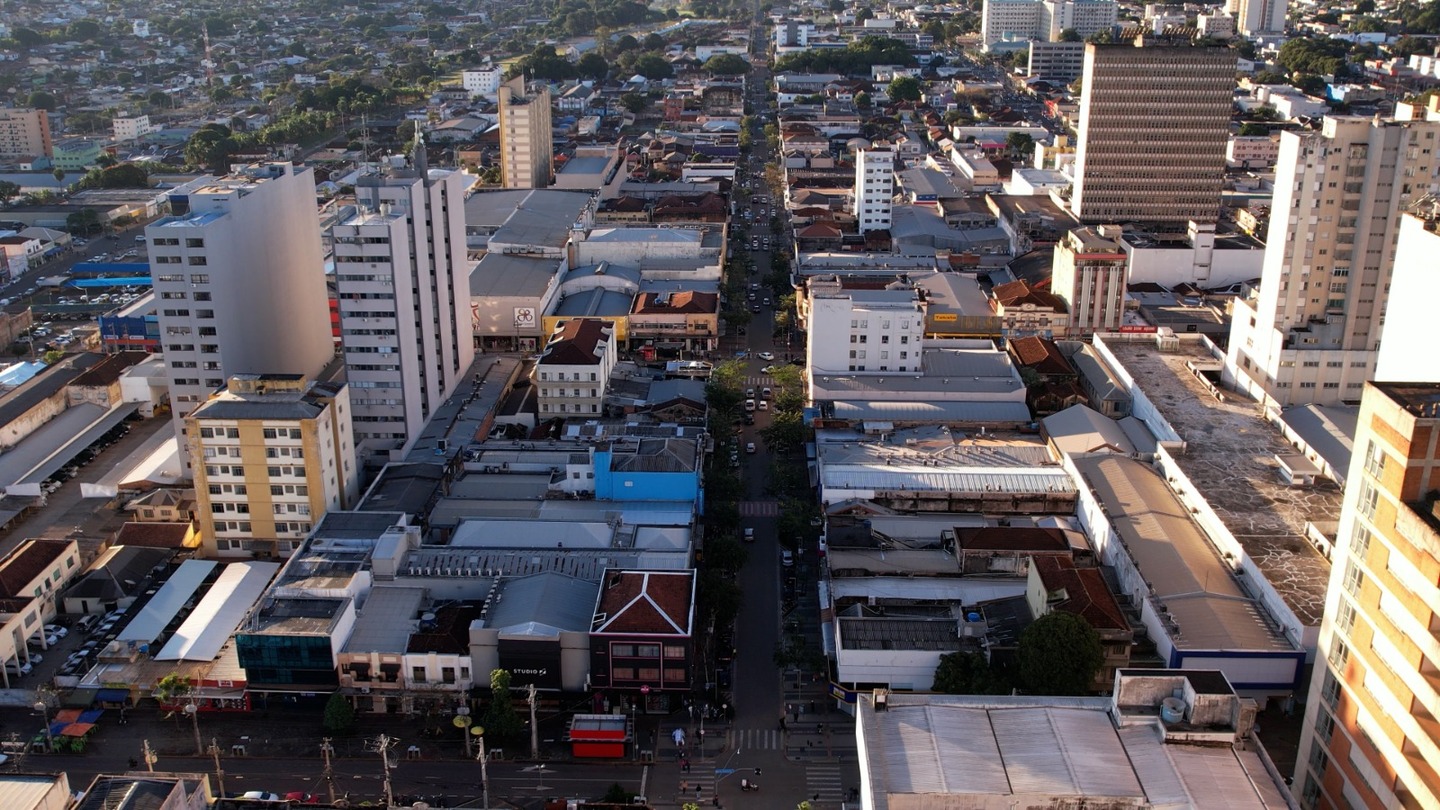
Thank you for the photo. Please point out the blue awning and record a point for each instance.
(111, 696)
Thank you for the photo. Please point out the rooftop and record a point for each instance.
(645, 602)
(1230, 457)
(502, 275)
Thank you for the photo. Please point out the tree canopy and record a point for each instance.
(1314, 56)
(727, 64)
(855, 58)
(1059, 654)
(904, 88)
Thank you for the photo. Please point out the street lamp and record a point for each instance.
(479, 732)
(45, 718)
(462, 721)
(194, 713)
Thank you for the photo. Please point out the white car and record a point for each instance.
(750, 447)
(764, 406)
(56, 631)
(766, 355)
(260, 795)
(749, 404)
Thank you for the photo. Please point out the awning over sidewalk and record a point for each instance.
(112, 696)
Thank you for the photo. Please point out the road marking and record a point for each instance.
(826, 780)
(759, 508)
(759, 739)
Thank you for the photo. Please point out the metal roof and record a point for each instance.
(864, 477)
(548, 600)
(214, 620)
(386, 621)
(162, 608)
(987, 412)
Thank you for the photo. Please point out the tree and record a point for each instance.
(1020, 144)
(83, 222)
(653, 42)
(966, 673)
(8, 191)
(863, 101)
(1059, 654)
(862, 15)
(592, 66)
(1069, 35)
(785, 433)
(904, 88)
(634, 102)
(83, 30)
(653, 67)
(170, 688)
(42, 100)
(211, 146)
(625, 43)
(124, 175)
(339, 714)
(727, 64)
(501, 720)
(1251, 130)
(58, 174)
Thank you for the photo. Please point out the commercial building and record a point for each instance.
(1311, 332)
(132, 127)
(484, 81)
(24, 133)
(1369, 739)
(1409, 319)
(874, 188)
(1016, 21)
(1154, 121)
(1089, 276)
(1255, 17)
(403, 284)
(239, 281)
(1062, 62)
(1009, 21)
(272, 454)
(865, 331)
(526, 142)
(575, 368)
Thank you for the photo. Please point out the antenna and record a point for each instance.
(209, 63)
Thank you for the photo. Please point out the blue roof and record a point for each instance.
(109, 281)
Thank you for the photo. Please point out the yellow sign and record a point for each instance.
(946, 317)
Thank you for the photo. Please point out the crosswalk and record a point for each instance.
(757, 739)
(759, 508)
(824, 779)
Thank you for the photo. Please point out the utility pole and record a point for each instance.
(149, 755)
(383, 744)
(484, 770)
(219, 773)
(534, 727)
(326, 749)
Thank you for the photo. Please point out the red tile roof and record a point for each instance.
(1086, 593)
(153, 535)
(27, 562)
(688, 301)
(646, 603)
(1018, 293)
(1040, 354)
(574, 343)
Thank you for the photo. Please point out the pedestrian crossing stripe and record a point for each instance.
(825, 780)
(759, 508)
(758, 739)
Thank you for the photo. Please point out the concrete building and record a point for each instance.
(272, 454)
(132, 127)
(483, 81)
(403, 284)
(1089, 276)
(25, 133)
(240, 283)
(1255, 17)
(526, 142)
(1062, 62)
(1251, 151)
(865, 331)
(1084, 17)
(1311, 331)
(1009, 21)
(1154, 121)
(1369, 739)
(1405, 353)
(1199, 256)
(581, 354)
(874, 188)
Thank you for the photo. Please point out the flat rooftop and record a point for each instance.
(1230, 457)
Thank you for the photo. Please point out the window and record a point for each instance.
(194, 243)
(1324, 726)
(1374, 460)
(417, 674)
(1354, 578)
(674, 651)
(1339, 656)
(1369, 497)
(1345, 617)
(1359, 540)
(197, 260)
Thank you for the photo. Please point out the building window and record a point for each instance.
(1324, 726)
(1354, 578)
(1359, 540)
(417, 674)
(1374, 460)
(1369, 497)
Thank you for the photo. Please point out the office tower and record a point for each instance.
(25, 132)
(272, 454)
(1154, 119)
(1311, 332)
(482, 81)
(1370, 738)
(404, 294)
(1254, 17)
(240, 282)
(1085, 17)
(1009, 21)
(874, 187)
(1088, 274)
(526, 142)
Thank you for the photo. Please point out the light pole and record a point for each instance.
(479, 732)
(462, 721)
(194, 713)
(45, 718)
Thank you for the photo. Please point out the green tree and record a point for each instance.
(1251, 129)
(727, 64)
(863, 101)
(966, 673)
(653, 67)
(210, 146)
(27, 37)
(41, 100)
(8, 191)
(904, 88)
(592, 66)
(785, 433)
(1020, 144)
(501, 719)
(653, 42)
(1059, 654)
(339, 714)
(124, 175)
(634, 102)
(58, 174)
(170, 688)
(1069, 35)
(83, 222)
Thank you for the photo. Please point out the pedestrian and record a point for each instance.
(697, 793)
(684, 785)
(795, 715)
(819, 728)
(782, 722)
(812, 707)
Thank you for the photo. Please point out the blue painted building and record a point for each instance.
(645, 469)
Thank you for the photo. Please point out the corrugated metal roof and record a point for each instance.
(205, 631)
(853, 477)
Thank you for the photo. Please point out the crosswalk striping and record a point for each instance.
(825, 780)
(758, 739)
(759, 508)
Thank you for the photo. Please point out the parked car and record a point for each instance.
(787, 558)
(58, 631)
(766, 355)
(749, 404)
(750, 446)
(749, 535)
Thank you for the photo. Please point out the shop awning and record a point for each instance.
(112, 695)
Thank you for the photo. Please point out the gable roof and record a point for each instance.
(645, 603)
(25, 563)
(1017, 293)
(1086, 593)
(575, 343)
(686, 301)
(1041, 354)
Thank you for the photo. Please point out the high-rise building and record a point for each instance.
(25, 132)
(874, 188)
(1311, 332)
(1084, 17)
(526, 142)
(1154, 119)
(1254, 17)
(1370, 739)
(1406, 354)
(1088, 274)
(865, 331)
(239, 282)
(482, 81)
(403, 287)
(272, 454)
(1009, 21)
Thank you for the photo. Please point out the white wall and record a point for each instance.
(1406, 351)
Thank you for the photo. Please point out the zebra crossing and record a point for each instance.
(824, 779)
(759, 508)
(758, 739)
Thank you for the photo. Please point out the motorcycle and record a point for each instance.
(746, 786)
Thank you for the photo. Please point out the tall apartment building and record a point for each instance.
(526, 142)
(1154, 119)
(573, 372)
(874, 188)
(239, 282)
(1311, 332)
(1085, 17)
(482, 81)
(1406, 352)
(272, 454)
(1089, 274)
(1370, 738)
(1253, 17)
(866, 332)
(403, 288)
(25, 132)
(1009, 21)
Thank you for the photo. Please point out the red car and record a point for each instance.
(301, 797)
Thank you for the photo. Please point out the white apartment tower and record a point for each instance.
(403, 285)
(866, 332)
(1087, 17)
(874, 187)
(1009, 21)
(1311, 333)
(1253, 17)
(239, 281)
(526, 142)
(482, 81)
(1154, 121)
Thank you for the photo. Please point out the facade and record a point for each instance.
(483, 81)
(1084, 17)
(686, 320)
(25, 132)
(866, 332)
(1251, 151)
(403, 284)
(1310, 334)
(526, 142)
(240, 283)
(874, 188)
(1254, 17)
(1089, 276)
(642, 642)
(132, 128)
(575, 368)
(1405, 353)
(1009, 21)
(1057, 61)
(272, 454)
(1368, 740)
(1154, 121)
